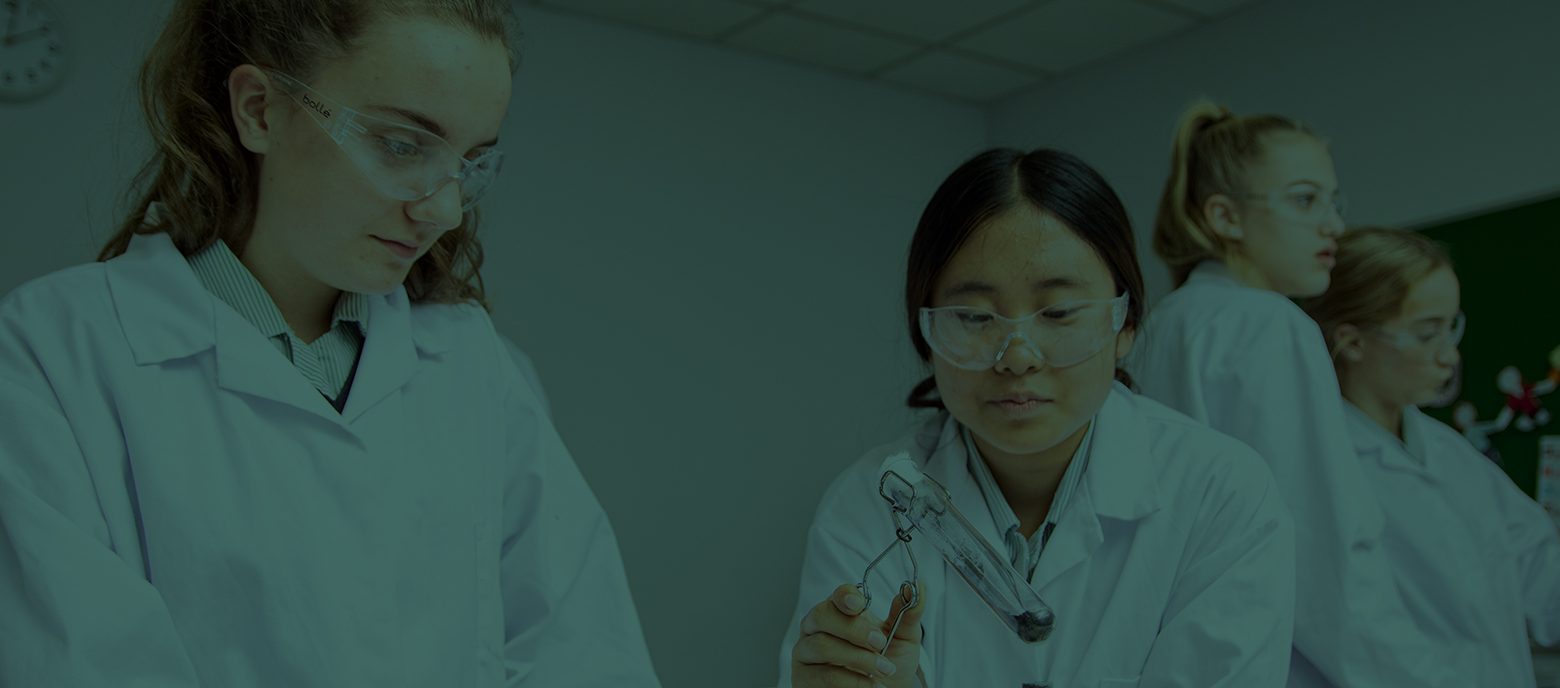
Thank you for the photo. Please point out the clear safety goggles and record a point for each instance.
(1305, 203)
(1060, 335)
(1429, 338)
(403, 162)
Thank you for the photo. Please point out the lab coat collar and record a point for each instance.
(1211, 271)
(946, 463)
(163, 309)
(1121, 477)
(1118, 485)
(1371, 441)
(166, 314)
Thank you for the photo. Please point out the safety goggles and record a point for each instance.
(1428, 338)
(1059, 335)
(403, 162)
(1304, 203)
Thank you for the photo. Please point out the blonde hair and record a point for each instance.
(1211, 154)
(205, 183)
(1376, 268)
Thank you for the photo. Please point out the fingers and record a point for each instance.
(830, 677)
(910, 624)
(840, 643)
(848, 600)
(825, 654)
(859, 628)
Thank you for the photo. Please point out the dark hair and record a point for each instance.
(988, 185)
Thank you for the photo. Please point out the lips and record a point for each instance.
(400, 249)
(409, 244)
(1020, 398)
(1328, 258)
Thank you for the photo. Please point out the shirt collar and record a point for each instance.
(1002, 513)
(227, 278)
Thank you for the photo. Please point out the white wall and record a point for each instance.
(702, 251)
(1435, 108)
(65, 160)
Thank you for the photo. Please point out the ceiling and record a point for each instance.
(970, 50)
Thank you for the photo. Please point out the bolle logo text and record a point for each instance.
(317, 105)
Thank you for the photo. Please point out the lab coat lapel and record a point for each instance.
(166, 314)
(389, 358)
(248, 364)
(1077, 535)
(1421, 444)
(949, 465)
(1119, 484)
(1373, 442)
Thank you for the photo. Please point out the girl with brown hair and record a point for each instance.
(1477, 560)
(273, 439)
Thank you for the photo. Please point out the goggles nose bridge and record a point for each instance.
(1007, 342)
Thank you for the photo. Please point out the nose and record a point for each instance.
(1448, 355)
(442, 209)
(1332, 225)
(1018, 356)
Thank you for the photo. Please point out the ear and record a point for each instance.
(251, 99)
(1349, 343)
(1220, 212)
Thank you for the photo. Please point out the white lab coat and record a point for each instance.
(1171, 566)
(1477, 560)
(179, 507)
(528, 373)
(1251, 364)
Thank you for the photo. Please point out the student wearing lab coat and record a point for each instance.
(1161, 546)
(1477, 560)
(1250, 217)
(273, 438)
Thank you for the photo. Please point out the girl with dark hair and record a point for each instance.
(1161, 546)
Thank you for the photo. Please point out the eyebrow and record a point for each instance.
(1307, 182)
(981, 288)
(426, 122)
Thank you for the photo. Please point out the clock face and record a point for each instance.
(32, 51)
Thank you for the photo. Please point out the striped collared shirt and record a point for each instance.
(326, 362)
(1025, 553)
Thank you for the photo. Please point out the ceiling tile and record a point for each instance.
(1206, 8)
(822, 44)
(960, 77)
(929, 20)
(703, 18)
(1064, 34)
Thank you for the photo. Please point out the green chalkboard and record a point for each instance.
(1508, 261)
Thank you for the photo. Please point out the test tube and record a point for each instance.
(926, 504)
